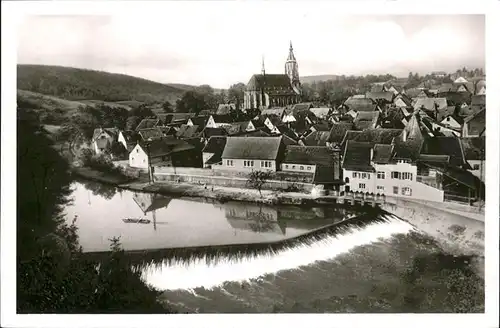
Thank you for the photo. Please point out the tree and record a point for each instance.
(142, 111)
(191, 102)
(257, 179)
(132, 122)
(118, 151)
(236, 94)
(167, 107)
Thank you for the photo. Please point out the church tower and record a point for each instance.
(292, 69)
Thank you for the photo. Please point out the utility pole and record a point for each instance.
(150, 171)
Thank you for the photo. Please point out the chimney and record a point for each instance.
(405, 135)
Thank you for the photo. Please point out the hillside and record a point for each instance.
(318, 78)
(80, 84)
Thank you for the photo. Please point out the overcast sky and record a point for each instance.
(220, 45)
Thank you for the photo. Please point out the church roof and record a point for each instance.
(269, 81)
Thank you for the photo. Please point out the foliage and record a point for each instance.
(101, 163)
(118, 151)
(74, 83)
(257, 179)
(52, 276)
(167, 107)
(236, 94)
(191, 102)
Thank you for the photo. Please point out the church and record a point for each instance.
(274, 90)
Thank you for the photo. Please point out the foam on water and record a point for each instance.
(198, 273)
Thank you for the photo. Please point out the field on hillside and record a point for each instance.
(80, 84)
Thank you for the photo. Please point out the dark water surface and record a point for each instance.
(384, 265)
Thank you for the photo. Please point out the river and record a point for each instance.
(382, 265)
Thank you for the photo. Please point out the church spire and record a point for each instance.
(263, 66)
(292, 68)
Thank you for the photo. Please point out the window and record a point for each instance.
(475, 167)
(380, 188)
(248, 163)
(301, 168)
(406, 176)
(395, 190)
(266, 164)
(406, 191)
(309, 168)
(229, 162)
(362, 186)
(354, 174)
(363, 175)
(293, 167)
(380, 175)
(286, 166)
(395, 175)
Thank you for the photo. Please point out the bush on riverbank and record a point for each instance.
(101, 163)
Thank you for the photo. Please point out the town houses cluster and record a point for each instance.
(425, 143)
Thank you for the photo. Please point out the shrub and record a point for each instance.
(100, 163)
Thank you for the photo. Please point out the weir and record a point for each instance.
(184, 268)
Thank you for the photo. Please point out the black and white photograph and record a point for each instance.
(266, 157)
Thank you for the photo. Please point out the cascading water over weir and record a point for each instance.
(211, 267)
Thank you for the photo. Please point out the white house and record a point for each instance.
(452, 121)
(372, 169)
(219, 121)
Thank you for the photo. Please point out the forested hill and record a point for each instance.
(82, 84)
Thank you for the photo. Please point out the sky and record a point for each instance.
(222, 45)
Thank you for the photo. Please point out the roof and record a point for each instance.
(223, 118)
(209, 132)
(382, 154)
(377, 87)
(174, 117)
(269, 82)
(445, 112)
(225, 109)
(374, 136)
(456, 98)
(260, 148)
(478, 100)
(458, 119)
(409, 148)
(474, 148)
(445, 87)
(357, 156)
(361, 104)
(320, 112)
(366, 120)
(152, 133)
(387, 95)
(187, 131)
(338, 131)
(311, 155)
(404, 98)
(301, 107)
(327, 174)
(236, 127)
(317, 138)
(112, 132)
(477, 122)
(430, 104)
(412, 92)
(147, 123)
(199, 120)
(215, 145)
(278, 111)
(450, 146)
(460, 80)
(131, 137)
(165, 146)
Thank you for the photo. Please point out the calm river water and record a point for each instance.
(383, 266)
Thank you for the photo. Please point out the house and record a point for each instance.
(445, 87)
(393, 89)
(212, 152)
(448, 146)
(198, 120)
(288, 117)
(165, 152)
(174, 118)
(478, 103)
(474, 125)
(103, 139)
(148, 202)
(412, 92)
(187, 131)
(480, 88)
(424, 94)
(150, 134)
(316, 138)
(384, 96)
(322, 163)
(218, 121)
(224, 109)
(274, 111)
(374, 136)
(147, 123)
(438, 74)
(402, 101)
(379, 87)
(430, 105)
(366, 120)
(321, 112)
(361, 104)
(271, 122)
(239, 127)
(475, 154)
(452, 121)
(338, 132)
(245, 154)
(301, 107)
(460, 80)
(128, 139)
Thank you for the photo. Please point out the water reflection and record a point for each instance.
(179, 223)
(99, 189)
